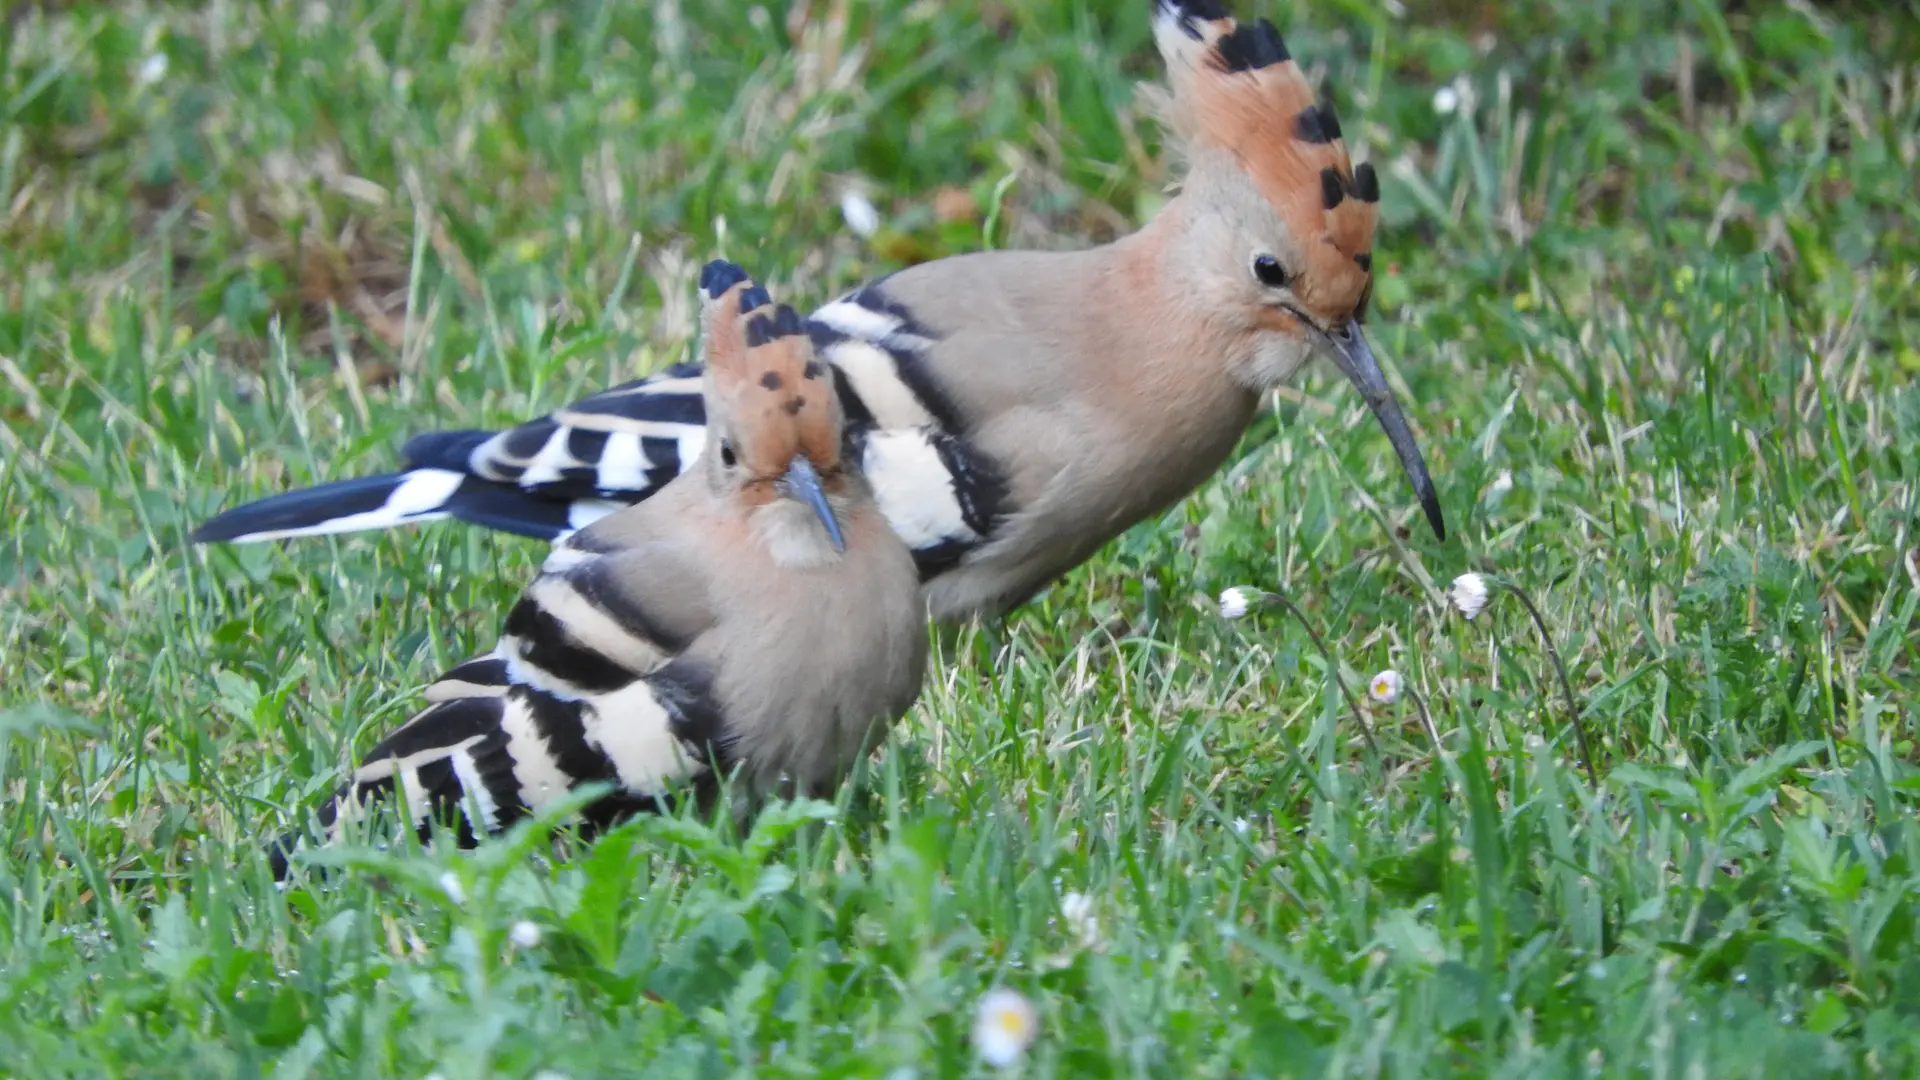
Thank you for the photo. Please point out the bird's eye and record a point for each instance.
(1270, 272)
(726, 455)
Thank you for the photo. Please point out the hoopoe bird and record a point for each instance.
(756, 618)
(1014, 411)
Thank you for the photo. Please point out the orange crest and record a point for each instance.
(1237, 90)
(762, 370)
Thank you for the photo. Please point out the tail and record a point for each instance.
(544, 478)
(383, 502)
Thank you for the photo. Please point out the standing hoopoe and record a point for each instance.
(756, 614)
(1013, 410)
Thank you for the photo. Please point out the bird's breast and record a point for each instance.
(793, 536)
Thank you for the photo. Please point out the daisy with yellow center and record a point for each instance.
(1003, 1027)
(1385, 687)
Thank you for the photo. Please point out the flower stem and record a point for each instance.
(1566, 687)
(1426, 720)
(1333, 665)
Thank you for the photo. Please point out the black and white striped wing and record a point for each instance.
(544, 478)
(479, 763)
(587, 684)
(939, 494)
(551, 476)
(628, 440)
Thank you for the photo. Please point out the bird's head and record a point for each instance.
(773, 420)
(1278, 229)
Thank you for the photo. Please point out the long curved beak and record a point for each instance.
(803, 483)
(1355, 360)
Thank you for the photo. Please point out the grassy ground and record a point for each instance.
(1650, 295)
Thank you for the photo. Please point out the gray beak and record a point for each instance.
(803, 483)
(1350, 353)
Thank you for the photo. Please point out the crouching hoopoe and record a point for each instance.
(1013, 410)
(755, 618)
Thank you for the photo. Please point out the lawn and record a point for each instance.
(1647, 290)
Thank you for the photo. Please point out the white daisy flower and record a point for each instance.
(153, 68)
(450, 885)
(1234, 602)
(859, 213)
(1076, 908)
(1385, 687)
(1469, 594)
(525, 934)
(1445, 100)
(1004, 1026)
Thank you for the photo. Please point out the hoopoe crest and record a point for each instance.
(775, 417)
(1241, 105)
(1270, 160)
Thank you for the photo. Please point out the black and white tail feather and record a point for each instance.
(543, 479)
(549, 477)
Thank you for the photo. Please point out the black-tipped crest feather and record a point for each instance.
(720, 275)
(1332, 189)
(1317, 124)
(1366, 184)
(786, 321)
(1190, 13)
(1252, 46)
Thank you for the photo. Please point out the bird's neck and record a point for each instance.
(1166, 353)
(793, 535)
(1161, 371)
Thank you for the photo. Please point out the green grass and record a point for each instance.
(1651, 302)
